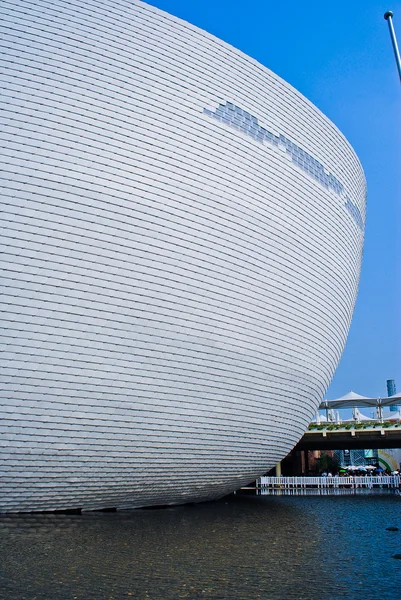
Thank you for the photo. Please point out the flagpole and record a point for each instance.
(389, 18)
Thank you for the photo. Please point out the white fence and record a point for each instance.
(299, 483)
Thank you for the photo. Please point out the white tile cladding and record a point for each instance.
(181, 241)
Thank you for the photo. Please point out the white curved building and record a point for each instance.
(182, 239)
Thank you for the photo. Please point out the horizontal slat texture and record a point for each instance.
(181, 243)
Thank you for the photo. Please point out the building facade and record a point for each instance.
(391, 390)
(182, 239)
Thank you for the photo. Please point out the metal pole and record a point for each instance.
(389, 18)
(379, 410)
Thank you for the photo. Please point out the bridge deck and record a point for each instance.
(343, 437)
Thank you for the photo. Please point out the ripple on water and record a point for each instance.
(267, 548)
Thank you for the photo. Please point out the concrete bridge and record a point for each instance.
(348, 436)
(345, 436)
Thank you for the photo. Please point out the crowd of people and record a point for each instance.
(360, 472)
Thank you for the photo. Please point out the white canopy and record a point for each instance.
(350, 400)
(392, 416)
(350, 396)
(360, 417)
(393, 400)
(319, 418)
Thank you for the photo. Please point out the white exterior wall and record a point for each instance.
(177, 293)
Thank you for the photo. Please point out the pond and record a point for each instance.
(242, 547)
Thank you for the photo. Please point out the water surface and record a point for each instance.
(244, 547)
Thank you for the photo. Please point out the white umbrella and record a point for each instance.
(357, 417)
(350, 400)
(319, 418)
(392, 416)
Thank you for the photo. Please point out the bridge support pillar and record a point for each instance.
(305, 462)
(278, 469)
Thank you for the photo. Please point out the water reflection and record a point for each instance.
(328, 492)
(245, 547)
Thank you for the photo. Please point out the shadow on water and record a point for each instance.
(241, 547)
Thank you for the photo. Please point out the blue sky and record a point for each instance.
(339, 55)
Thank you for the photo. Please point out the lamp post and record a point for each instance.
(389, 18)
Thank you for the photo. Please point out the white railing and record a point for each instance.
(294, 483)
